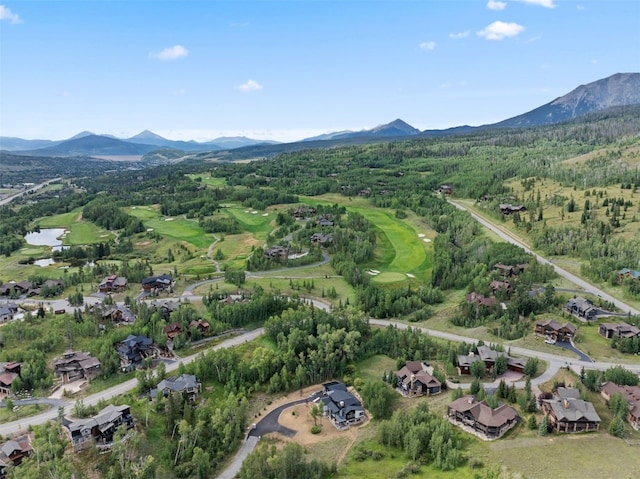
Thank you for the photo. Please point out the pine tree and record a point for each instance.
(544, 425)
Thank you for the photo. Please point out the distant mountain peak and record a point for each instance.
(147, 135)
(398, 125)
(82, 134)
(620, 89)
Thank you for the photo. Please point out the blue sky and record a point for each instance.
(286, 70)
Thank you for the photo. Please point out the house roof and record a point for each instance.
(630, 393)
(179, 383)
(567, 406)
(20, 444)
(631, 272)
(483, 413)
(102, 420)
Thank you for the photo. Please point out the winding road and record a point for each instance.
(511, 238)
(555, 361)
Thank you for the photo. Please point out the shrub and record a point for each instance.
(315, 429)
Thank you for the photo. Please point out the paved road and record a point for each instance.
(247, 447)
(555, 361)
(511, 238)
(9, 199)
(122, 388)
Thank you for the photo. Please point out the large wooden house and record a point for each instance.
(480, 418)
(414, 379)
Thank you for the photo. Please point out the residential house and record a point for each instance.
(13, 452)
(321, 239)
(582, 308)
(632, 396)
(183, 384)
(340, 406)
(414, 379)
(157, 283)
(618, 330)
(201, 325)
(555, 331)
(479, 299)
(446, 190)
(508, 209)
(165, 307)
(489, 357)
(325, 221)
(8, 311)
(23, 286)
(508, 270)
(625, 273)
(303, 212)
(117, 314)
(568, 413)
(8, 373)
(172, 330)
(277, 252)
(113, 283)
(497, 286)
(100, 428)
(133, 350)
(74, 365)
(488, 423)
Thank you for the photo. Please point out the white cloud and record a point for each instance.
(7, 14)
(250, 85)
(594, 62)
(459, 35)
(428, 46)
(501, 30)
(496, 5)
(171, 53)
(541, 3)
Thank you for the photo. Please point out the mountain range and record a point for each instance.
(621, 89)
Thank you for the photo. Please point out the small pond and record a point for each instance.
(46, 237)
(44, 262)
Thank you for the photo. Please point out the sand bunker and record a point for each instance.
(426, 240)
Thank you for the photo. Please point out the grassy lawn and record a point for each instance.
(209, 181)
(79, 232)
(86, 233)
(399, 249)
(22, 411)
(180, 229)
(256, 223)
(598, 347)
(64, 220)
(590, 455)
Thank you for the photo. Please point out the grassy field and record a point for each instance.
(256, 223)
(594, 455)
(399, 249)
(180, 229)
(80, 232)
(209, 180)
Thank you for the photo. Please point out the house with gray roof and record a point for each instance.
(414, 379)
(99, 428)
(340, 406)
(183, 384)
(568, 413)
(74, 365)
(582, 308)
(13, 451)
